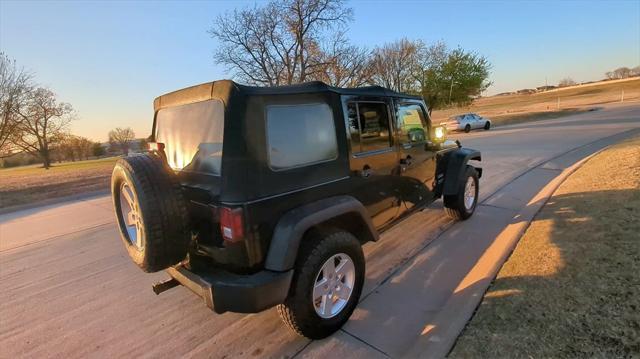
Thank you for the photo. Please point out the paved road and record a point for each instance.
(68, 289)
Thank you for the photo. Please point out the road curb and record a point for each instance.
(440, 336)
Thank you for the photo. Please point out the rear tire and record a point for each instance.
(487, 125)
(458, 206)
(301, 312)
(151, 211)
(467, 128)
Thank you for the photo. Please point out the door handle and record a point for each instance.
(406, 161)
(366, 171)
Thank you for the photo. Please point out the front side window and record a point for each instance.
(412, 124)
(300, 135)
(369, 126)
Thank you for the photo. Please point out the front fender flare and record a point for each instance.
(292, 226)
(450, 168)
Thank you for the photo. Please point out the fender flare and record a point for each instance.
(451, 167)
(292, 226)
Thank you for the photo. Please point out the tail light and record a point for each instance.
(231, 224)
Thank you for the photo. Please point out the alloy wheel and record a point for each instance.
(469, 193)
(333, 285)
(130, 212)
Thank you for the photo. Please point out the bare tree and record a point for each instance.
(346, 65)
(283, 42)
(428, 72)
(15, 85)
(73, 147)
(122, 138)
(66, 148)
(43, 124)
(392, 64)
(620, 73)
(567, 81)
(443, 77)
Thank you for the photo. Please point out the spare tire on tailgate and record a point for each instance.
(151, 211)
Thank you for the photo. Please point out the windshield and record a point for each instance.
(192, 136)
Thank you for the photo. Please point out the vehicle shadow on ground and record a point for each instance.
(571, 288)
(411, 310)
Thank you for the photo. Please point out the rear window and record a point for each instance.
(192, 135)
(300, 135)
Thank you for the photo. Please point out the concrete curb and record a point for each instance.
(53, 201)
(437, 342)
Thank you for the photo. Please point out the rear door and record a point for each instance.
(417, 164)
(373, 157)
(474, 121)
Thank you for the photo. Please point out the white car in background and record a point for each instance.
(466, 122)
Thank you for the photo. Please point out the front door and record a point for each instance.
(417, 163)
(373, 157)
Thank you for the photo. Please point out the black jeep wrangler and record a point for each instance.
(258, 197)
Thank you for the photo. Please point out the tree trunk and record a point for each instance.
(46, 160)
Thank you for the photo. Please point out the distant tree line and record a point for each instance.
(567, 81)
(294, 41)
(121, 139)
(623, 73)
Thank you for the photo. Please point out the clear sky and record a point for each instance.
(111, 59)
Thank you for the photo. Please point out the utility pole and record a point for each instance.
(450, 90)
(455, 65)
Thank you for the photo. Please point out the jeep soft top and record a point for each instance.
(253, 197)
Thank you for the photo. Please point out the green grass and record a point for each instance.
(571, 288)
(62, 166)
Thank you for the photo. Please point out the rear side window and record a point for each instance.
(369, 126)
(300, 135)
(192, 135)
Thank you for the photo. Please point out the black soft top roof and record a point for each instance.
(223, 89)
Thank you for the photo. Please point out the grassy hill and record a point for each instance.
(509, 108)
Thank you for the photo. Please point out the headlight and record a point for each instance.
(439, 134)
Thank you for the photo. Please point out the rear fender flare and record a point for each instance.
(293, 225)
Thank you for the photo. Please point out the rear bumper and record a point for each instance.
(228, 292)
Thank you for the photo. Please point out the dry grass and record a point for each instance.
(506, 108)
(31, 184)
(571, 288)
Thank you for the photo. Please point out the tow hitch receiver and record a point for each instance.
(165, 285)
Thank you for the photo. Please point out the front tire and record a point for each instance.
(326, 286)
(487, 125)
(462, 205)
